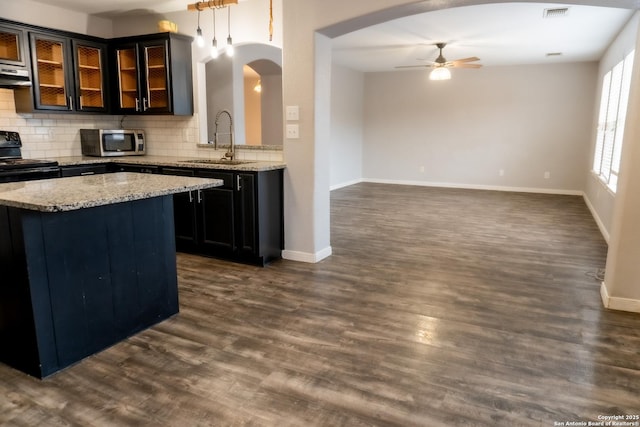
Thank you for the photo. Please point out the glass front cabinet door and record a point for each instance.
(90, 80)
(143, 74)
(50, 73)
(152, 74)
(11, 45)
(68, 74)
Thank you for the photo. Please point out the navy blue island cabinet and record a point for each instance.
(78, 281)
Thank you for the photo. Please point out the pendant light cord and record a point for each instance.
(270, 20)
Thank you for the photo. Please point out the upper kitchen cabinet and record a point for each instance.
(90, 59)
(153, 74)
(12, 42)
(69, 74)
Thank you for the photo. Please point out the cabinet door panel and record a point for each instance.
(248, 214)
(185, 220)
(11, 46)
(50, 66)
(90, 69)
(217, 221)
(156, 97)
(128, 81)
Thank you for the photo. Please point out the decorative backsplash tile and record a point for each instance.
(58, 135)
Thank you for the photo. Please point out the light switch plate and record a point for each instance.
(293, 132)
(293, 112)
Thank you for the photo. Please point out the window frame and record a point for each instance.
(614, 101)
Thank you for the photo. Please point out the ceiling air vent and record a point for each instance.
(556, 12)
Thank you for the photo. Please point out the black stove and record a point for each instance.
(14, 168)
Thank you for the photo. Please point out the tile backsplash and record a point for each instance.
(58, 135)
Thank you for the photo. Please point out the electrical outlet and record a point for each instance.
(547, 175)
(421, 169)
(293, 132)
(293, 112)
(501, 172)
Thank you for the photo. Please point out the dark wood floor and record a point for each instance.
(438, 308)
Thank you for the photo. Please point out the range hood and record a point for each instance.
(12, 77)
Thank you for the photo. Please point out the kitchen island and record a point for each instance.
(85, 262)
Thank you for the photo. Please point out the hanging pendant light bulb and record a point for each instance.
(199, 38)
(214, 42)
(229, 50)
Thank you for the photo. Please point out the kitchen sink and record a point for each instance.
(218, 161)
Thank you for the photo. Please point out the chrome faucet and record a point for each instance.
(230, 154)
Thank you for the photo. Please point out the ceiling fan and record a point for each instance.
(441, 65)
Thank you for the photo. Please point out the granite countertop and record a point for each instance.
(184, 162)
(67, 194)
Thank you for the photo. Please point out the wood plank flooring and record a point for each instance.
(439, 307)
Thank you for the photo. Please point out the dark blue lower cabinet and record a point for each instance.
(81, 281)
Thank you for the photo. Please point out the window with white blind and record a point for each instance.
(611, 120)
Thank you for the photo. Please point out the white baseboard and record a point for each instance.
(615, 303)
(345, 184)
(307, 256)
(476, 187)
(596, 217)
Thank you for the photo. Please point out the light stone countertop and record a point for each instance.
(79, 192)
(248, 165)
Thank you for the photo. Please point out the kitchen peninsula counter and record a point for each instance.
(66, 194)
(87, 262)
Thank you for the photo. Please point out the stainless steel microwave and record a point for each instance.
(117, 142)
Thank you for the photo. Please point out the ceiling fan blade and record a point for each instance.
(466, 65)
(430, 62)
(413, 66)
(470, 59)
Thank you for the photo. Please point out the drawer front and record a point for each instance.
(83, 170)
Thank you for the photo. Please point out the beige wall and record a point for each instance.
(252, 111)
(521, 120)
(347, 126)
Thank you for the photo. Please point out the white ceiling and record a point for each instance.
(112, 8)
(499, 34)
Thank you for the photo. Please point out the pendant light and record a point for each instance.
(258, 86)
(440, 73)
(199, 38)
(229, 50)
(214, 42)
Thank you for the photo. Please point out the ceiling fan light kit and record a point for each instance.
(440, 73)
(441, 65)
